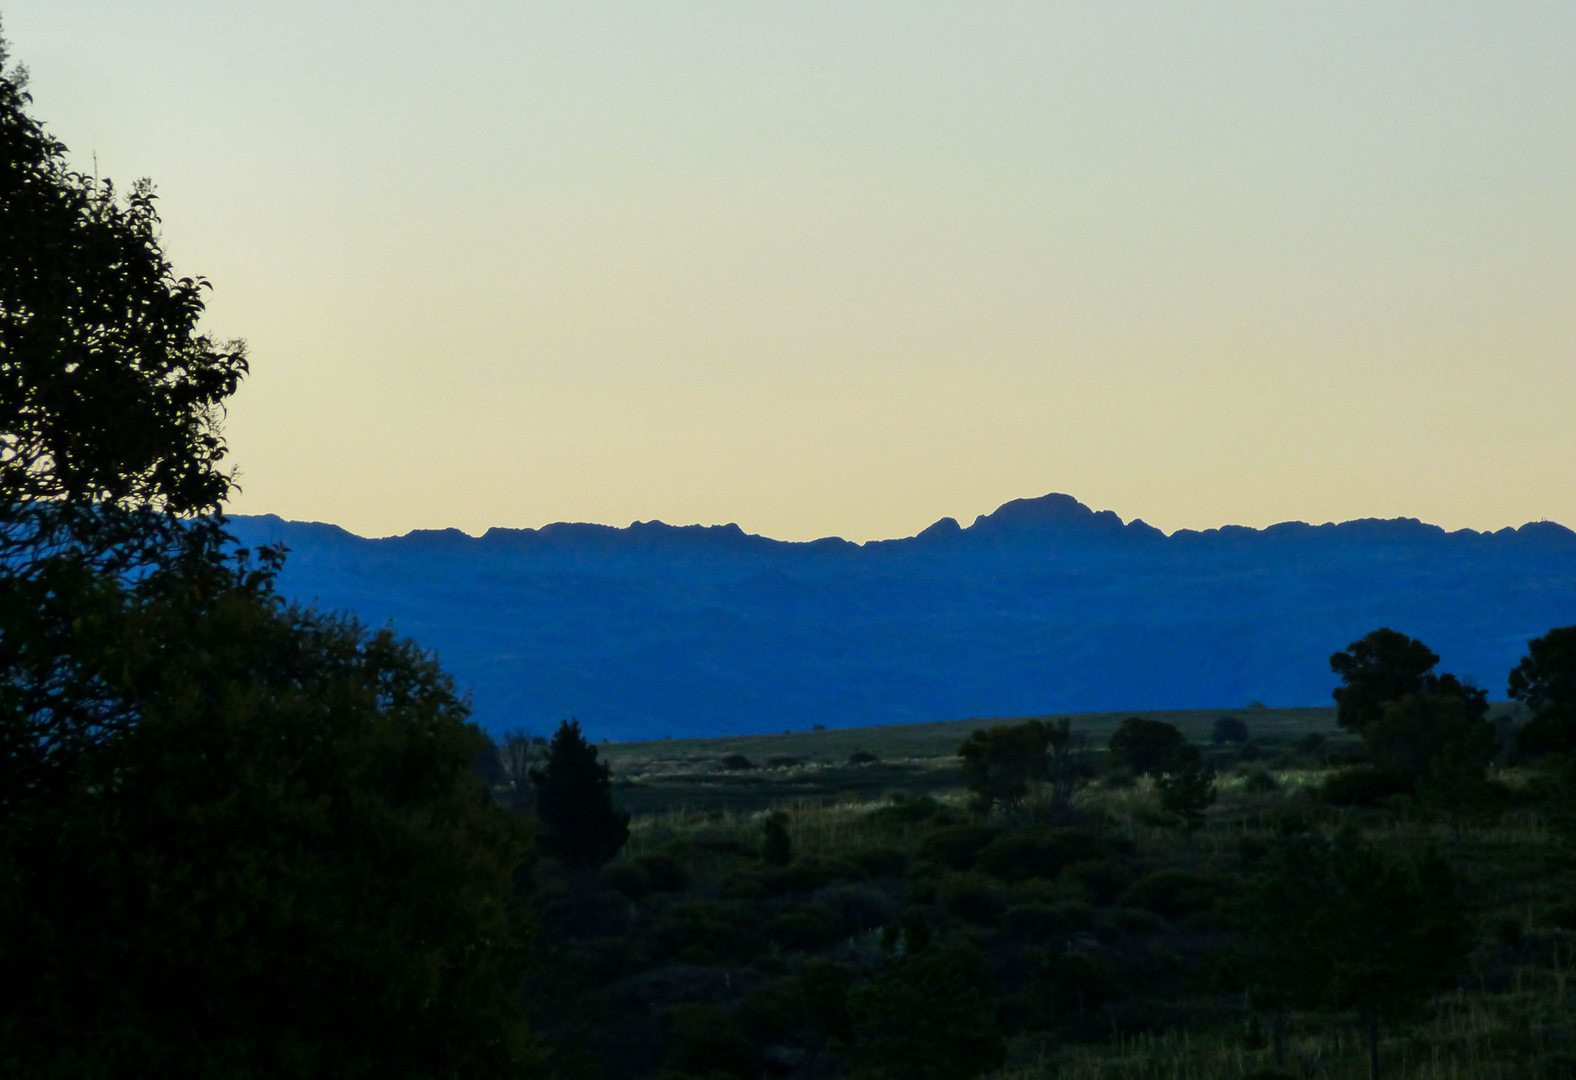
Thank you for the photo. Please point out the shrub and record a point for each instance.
(1228, 729)
(1173, 893)
(1362, 785)
(1261, 782)
(1028, 853)
(705, 931)
(1047, 923)
(707, 1040)
(908, 809)
(807, 926)
(972, 898)
(861, 907)
(880, 862)
(783, 761)
(1102, 879)
(663, 872)
(776, 845)
(956, 846)
(627, 877)
(862, 757)
(735, 762)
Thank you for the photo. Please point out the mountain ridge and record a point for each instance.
(1042, 606)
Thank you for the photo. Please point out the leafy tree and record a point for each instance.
(1068, 765)
(1545, 680)
(1147, 747)
(237, 839)
(1187, 790)
(283, 866)
(1003, 765)
(574, 802)
(1383, 666)
(520, 753)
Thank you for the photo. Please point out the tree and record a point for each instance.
(1342, 925)
(283, 866)
(237, 838)
(1068, 766)
(1147, 747)
(574, 802)
(1383, 666)
(1545, 681)
(1187, 789)
(1004, 764)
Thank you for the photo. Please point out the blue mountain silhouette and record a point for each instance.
(1044, 606)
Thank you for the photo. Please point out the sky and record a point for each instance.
(843, 268)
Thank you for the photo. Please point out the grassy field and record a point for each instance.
(814, 766)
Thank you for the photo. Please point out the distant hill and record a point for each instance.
(1043, 606)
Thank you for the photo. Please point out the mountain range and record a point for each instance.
(1042, 607)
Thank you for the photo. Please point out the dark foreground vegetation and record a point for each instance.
(242, 838)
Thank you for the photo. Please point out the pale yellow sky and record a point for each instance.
(844, 268)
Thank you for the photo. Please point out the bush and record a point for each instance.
(1023, 854)
(880, 862)
(735, 762)
(908, 810)
(1103, 879)
(1173, 893)
(862, 757)
(1261, 782)
(1362, 785)
(956, 846)
(663, 872)
(707, 1040)
(860, 906)
(706, 931)
(1228, 729)
(972, 898)
(783, 761)
(807, 926)
(1047, 923)
(628, 878)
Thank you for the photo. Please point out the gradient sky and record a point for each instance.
(844, 268)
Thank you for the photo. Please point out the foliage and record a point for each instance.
(1003, 765)
(928, 1019)
(776, 845)
(1187, 789)
(1229, 729)
(283, 866)
(1146, 747)
(1383, 666)
(1545, 680)
(574, 802)
(236, 838)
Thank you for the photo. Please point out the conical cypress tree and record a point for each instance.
(574, 802)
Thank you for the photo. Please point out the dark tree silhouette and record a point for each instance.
(1383, 666)
(1003, 765)
(574, 802)
(1069, 767)
(1546, 681)
(237, 839)
(1147, 747)
(1187, 790)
